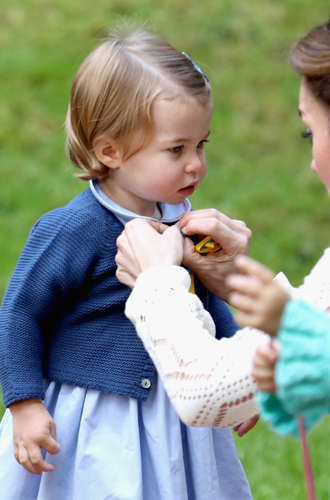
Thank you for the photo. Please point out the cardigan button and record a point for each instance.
(146, 384)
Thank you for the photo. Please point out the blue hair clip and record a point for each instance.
(196, 66)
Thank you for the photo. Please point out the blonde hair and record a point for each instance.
(114, 89)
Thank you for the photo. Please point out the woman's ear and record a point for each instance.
(108, 153)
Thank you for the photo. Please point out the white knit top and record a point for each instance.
(209, 381)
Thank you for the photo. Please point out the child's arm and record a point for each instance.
(54, 266)
(260, 300)
(33, 429)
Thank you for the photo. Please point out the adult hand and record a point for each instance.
(213, 268)
(143, 244)
(33, 429)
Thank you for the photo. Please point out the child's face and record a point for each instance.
(172, 166)
(316, 118)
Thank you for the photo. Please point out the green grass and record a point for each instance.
(258, 164)
(274, 465)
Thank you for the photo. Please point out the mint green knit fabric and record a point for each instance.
(302, 372)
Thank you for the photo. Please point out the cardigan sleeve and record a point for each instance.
(209, 381)
(303, 370)
(51, 269)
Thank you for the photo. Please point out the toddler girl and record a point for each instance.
(138, 119)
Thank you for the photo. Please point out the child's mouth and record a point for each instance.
(187, 191)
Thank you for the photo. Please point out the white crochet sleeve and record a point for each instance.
(209, 381)
(316, 286)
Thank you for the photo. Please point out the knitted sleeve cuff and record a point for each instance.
(303, 370)
(279, 420)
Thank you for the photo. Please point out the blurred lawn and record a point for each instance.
(258, 164)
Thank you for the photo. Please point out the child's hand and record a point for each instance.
(264, 362)
(260, 299)
(141, 245)
(33, 429)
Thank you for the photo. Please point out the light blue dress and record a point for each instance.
(117, 448)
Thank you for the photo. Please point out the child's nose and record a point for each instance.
(195, 164)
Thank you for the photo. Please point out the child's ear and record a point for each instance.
(108, 153)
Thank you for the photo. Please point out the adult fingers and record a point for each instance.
(158, 226)
(173, 239)
(209, 213)
(134, 231)
(246, 426)
(146, 225)
(128, 244)
(219, 226)
(151, 248)
(140, 236)
(239, 222)
(125, 277)
(188, 248)
(234, 239)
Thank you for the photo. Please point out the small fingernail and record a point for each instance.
(183, 230)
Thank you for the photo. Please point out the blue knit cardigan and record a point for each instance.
(62, 317)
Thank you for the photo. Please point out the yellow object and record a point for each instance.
(207, 245)
(192, 286)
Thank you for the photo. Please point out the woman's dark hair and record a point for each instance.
(311, 59)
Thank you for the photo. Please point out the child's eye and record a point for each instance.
(176, 149)
(307, 134)
(201, 144)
